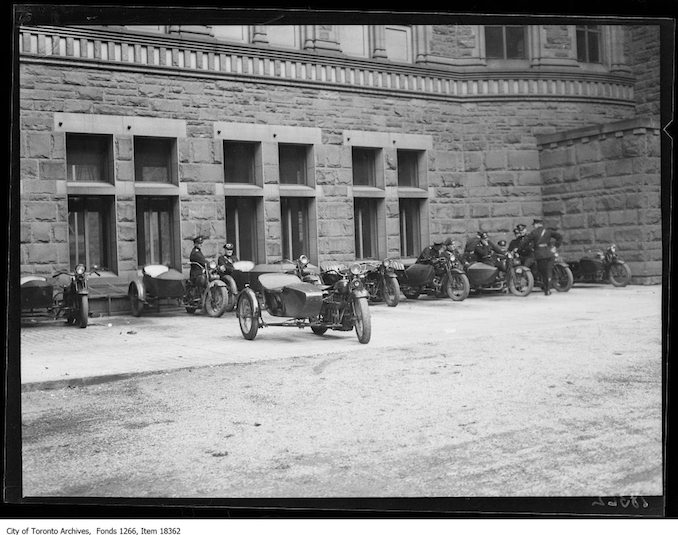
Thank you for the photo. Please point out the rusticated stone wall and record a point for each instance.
(602, 185)
(642, 51)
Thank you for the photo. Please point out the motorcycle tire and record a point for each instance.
(522, 290)
(232, 290)
(363, 324)
(391, 291)
(216, 299)
(249, 324)
(135, 303)
(562, 278)
(458, 287)
(318, 330)
(620, 274)
(83, 311)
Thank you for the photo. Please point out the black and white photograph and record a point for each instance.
(267, 254)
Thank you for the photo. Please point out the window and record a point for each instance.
(294, 213)
(239, 162)
(88, 157)
(239, 34)
(399, 43)
(364, 166)
(153, 159)
(505, 42)
(354, 41)
(293, 162)
(588, 44)
(241, 226)
(408, 168)
(365, 221)
(410, 227)
(155, 230)
(284, 36)
(90, 240)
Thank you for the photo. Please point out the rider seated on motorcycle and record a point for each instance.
(431, 252)
(520, 245)
(197, 276)
(228, 258)
(483, 248)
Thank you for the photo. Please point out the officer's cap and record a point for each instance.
(537, 220)
(198, 240)
(229, 247)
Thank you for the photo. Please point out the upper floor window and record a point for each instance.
(293, 161)
(364, 167)
(399, 43)
(505, 42)
(153, 159)
(88, 157)
(239, 34)
(284, 36)
(588, 44)
(408, 168)
(354, 40)
(239, 158)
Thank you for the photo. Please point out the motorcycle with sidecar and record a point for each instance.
(156, 283)
(70, 302)
(506, 274)
(601, 267)
(439, 277)
(272, 288)
(381, 280)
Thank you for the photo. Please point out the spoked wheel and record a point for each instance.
(83, 311)
(391, 291)
(232, 291)
(249, 322)
(134, 302)
(620, 274)
(562, 278)
(216, 299)
(521, 283)
(363, 325)
(458, 287)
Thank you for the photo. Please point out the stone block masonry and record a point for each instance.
(613, 194)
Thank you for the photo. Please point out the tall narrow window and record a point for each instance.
(90, 237)
(505, 42)
(155, 230)
(88, 157)
(293, 164)
(241, 226)
(410, 227)
(588, 44)
(364, 166)
(153, 159)
(365, 222)
(294, 213)
(239, 158)
(408, 168)
(399, 43)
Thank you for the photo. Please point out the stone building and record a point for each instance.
(339, 142)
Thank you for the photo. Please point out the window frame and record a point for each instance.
(403, 205)
(253, 164)
(106, 162)
(170, 157)
(233, 235)
(587, 30)
(306, 167)
(504, 42)
(286, 227)
(140, 211)
(107, 234)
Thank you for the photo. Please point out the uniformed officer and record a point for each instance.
(482, 248)
(519, 245)
(430, 252)
(199, 258)
(540, 240)
(228, 258)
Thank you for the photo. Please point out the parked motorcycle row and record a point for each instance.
(333, 296)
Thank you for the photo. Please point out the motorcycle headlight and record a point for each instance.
(303, 260)
(386, 263)
(356, 283)
(356, 269)
(80, 269)
(212, 264)
(452, 257)
(613, 248)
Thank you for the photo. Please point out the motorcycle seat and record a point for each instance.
(32, 278)
(153, 270)
(275, 282)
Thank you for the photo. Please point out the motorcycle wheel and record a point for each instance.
(410, 294)
(620, 274)
(391, 291)
(521, 284)
(458, 287)
(562, 278)
(363, 325)
(216, 299)
(249, 324)
(83, 312)
(318, 330)
(232, 290)
(135, 304)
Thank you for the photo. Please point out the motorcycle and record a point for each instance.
(381, 280)
(228, 274)
(440, 277)
(506, 275)
(600, 267)
(71, 302)
(562, 279)
(156, 283)
(340, 306)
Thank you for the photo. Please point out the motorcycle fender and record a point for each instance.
(618, 261)
(217, 282)
(457, 271)
(257, 309)
(358, 294)
(141, 292)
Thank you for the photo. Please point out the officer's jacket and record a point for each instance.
(428, 254)
(197, 256)
(227, 261)
(482, 251)
(540, 239)
(521, 245)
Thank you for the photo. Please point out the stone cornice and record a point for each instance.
(636, 124)
(206, 57)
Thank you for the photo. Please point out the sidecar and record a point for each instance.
(515, 279)
(36, 294)
(154, 284)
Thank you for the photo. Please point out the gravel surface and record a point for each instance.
(519, 397)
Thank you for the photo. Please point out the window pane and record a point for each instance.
(399, 43)
(364, 167)
(239, 162)
(283, 36)
(295, 227)
(89, 231)
(292, 164)
(410, 241)
(87, 157)
(515, 42)
(408, 168)
(232, 33)
(581, 44)
(494, 42)
(365, 222)
(593, 47)
(152, 159)
(155, 236)
(353, 41)
(241, 226)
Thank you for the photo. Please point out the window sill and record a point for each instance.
(296, 190)
(90, 188)
(242, 190)
(155, 188)
(368, 191)
(412, 193)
